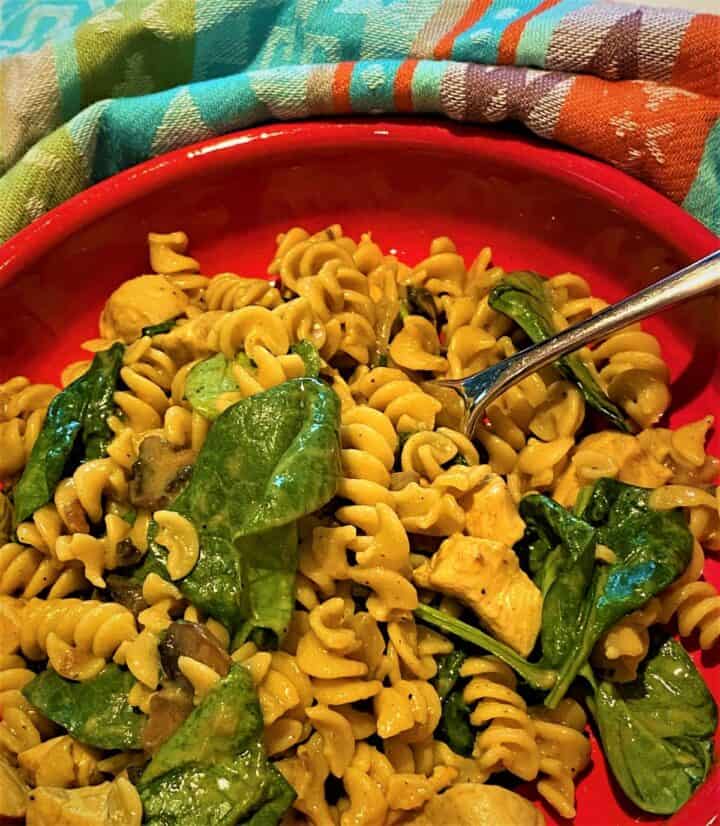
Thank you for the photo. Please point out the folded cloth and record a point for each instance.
(638, 87)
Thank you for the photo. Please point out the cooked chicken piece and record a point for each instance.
(492, 513)
(61, 761)
(140, 302)
(486, 576)
(109, 804)
(474, 804)
(13, 791)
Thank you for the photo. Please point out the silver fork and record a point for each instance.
(480, 389)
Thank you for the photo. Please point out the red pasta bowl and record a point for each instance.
(538, 206)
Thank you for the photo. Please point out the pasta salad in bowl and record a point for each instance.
(252, 568)
(254, 571)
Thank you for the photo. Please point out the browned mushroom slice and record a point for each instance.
(71, 511)
(159, 473)
(127, 593)
(190, 639)
(169, 708)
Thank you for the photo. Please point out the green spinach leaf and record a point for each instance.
(523, 297)
(159, 329)
(657, 731)
(269, 562)
(584, 598)
(213, 376)
(268, 460)
(213, 769)
(206, 381)
(448, 672)
(561, 551)
(535, 675)
(420, 301)
(78, 414)
(95, 711)
(310, 356)
(454, 728)
(100, 385)
(246, 583)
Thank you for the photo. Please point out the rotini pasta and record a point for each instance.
(508, 737)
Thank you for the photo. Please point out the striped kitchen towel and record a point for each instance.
(88, 88)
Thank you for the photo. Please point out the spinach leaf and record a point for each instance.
(246, 583)
(213, 376)
(213, 769)
(206, 381)
(268, 460)
(583, 598)
(449, 672)
(523, 297)
(269, 578)
(310, 356)
(657, 731)
(159, 329)
(80, 410)
(535, 675)
(94, 711)
(100, 384)
(454, 728)
(561, 558)
(420, 301)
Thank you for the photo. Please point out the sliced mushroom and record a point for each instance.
(127, 593)
(190, 639)
(420, 301)
(169, 708)
(71, 511)
(159, 473)
(127, 554)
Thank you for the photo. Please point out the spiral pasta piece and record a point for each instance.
(442, 272)
(22, 412)
(22, 727)
(388, 389)
(508, 736)
(564, 753)
(694, 601)
(227, 291)
(629, 364)
(76, 636)
(620, 651)
(427, 453)
(369, 442)
(27, 573)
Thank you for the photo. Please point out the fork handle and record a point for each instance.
(691, 281)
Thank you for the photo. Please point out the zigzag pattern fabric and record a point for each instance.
(109, 86)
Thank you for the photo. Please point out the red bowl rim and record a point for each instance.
(595, 178)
